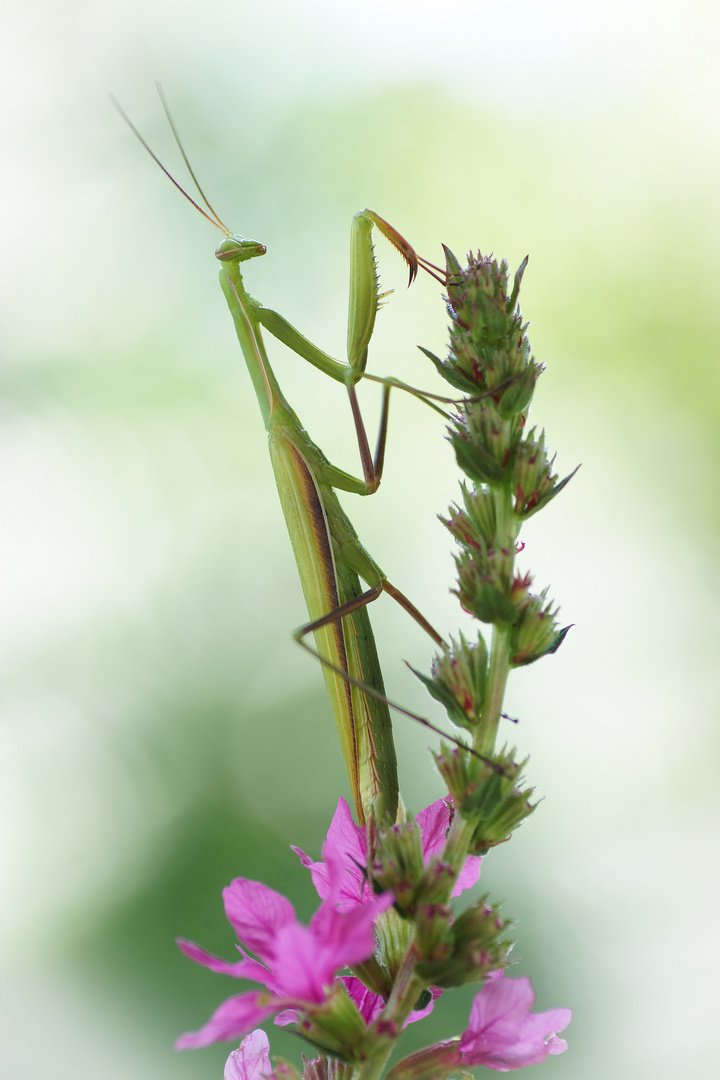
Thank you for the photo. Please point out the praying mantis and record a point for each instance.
(330, 559)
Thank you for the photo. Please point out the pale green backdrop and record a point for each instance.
(161, 734)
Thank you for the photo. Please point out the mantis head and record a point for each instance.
(238, 249)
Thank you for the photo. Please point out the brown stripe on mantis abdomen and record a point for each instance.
(311, 540)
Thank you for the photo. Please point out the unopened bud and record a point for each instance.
(452, 371)
(517, 396)
(478, 947)
(435, 1062)
(478, 295)
(484, 586)
(433, 932)
(374, 976)
(496, 804)
(536, 633)
(398, 864)
(437, 882)
(336, 1026)
(488, 429)
(534, 482)
(476, 525)
(394, 934)
(459, 674)
(474, 460)
(452, 764)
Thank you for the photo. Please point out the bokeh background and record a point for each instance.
(161, 734)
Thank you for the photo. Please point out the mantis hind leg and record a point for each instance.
(348, 608)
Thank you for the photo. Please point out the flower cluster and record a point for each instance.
(298, 965)
(502, 1034)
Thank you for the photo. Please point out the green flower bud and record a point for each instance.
(536, 633)
(518, 395)
(398, 864)
(394, 933)
(480, 507)
(533, 479)
(452, 764)
(495, 804)
(459, 674)
(476, 525)
(453, 372)
(486, 428)
(478, 947)
(433, 932)
(480, 303)
(437, 882)
(374, 976)
(336, 1026)
(476, 462)
(437, 1062)
(484, 588)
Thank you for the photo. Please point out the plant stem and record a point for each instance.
(405, 992)
(499, 668)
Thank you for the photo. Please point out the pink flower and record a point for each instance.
(296, 963)
(369, 1005)
(503, 1034)
(348, 843)
(251, 1060)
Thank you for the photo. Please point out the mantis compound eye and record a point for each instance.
(238, 249)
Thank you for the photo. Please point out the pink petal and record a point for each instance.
(508, 1000)
(240, 969)
(370, 1005)
(434, 822)
(535, 1039)
(420, 1014)
(251, 1060)
(256, 913)
(232, 1020)
(504, 1034)
(468, 875)
(303, 968)
(349, 934)
(347, 838)
(307, 958)
(345, 844)
(287, 1016)
(318, 872)
(554, 1045)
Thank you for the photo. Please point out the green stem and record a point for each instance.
(495, 690)
(499, 668)
(388, 1027)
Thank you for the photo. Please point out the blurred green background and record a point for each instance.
(161, 734)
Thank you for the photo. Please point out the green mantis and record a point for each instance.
(331, 560)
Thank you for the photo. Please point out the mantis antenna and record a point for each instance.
(214, 220)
